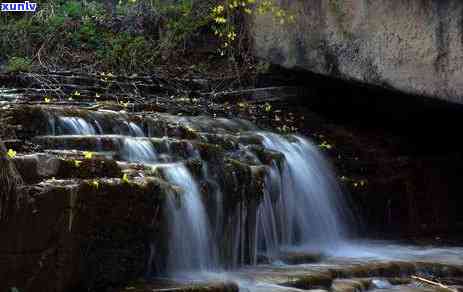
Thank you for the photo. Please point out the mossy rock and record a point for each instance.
(349, 285)
(314, 281)
(210, 152)
(89, 168)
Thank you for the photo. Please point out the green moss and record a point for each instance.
(89, 168)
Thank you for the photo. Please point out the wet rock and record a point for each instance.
(88, 168)
(35, 167)
(314, 281)
(83, 143)
(378, 269)
(211, 287)
(85, 235)
(295, 258)
(347, 285)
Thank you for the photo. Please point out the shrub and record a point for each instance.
(19, 64)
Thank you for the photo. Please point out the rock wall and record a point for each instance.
(72, 236)
(414, 46)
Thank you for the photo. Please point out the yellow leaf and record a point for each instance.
(95, 183)
(11, 153)
(325, 145)
(47, 99)
(77, 163)
(88, 155)
(125, 178)
(268, 107)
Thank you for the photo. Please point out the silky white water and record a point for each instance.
(302, 204)
(138, 150)
(301, 210)
(191, 247)
(310, 208)
(76, 126)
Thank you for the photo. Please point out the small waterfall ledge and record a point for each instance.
(224, 194)
(112, 197)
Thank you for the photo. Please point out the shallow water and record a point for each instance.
(350, 254)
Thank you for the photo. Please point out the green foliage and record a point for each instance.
(87, 36)
(71, 9)
(19, 64)
(228, 16)
(75, 32)
(129, 53)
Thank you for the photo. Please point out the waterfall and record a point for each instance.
(310, 208)
(76, 126)
(135, 130)
(138, 150)
(190, 241)
(301, 205)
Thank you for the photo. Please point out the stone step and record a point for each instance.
(362, 276)
(57, 120)
(136, 149)
(172, 286)
(39, 166)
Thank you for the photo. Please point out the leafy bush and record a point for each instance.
(87, 36)
(19, 64)
(72, 9)
(126, 52)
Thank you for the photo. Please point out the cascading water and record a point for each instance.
(232, 196)
(191, 244)
(138, 150)
(76, 126)
(302, 205)
(309, 209)
(135, 130)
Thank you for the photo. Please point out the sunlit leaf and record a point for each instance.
(11, 153)
(96, 184)
(88, 154)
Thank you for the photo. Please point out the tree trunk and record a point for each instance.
(10, 182)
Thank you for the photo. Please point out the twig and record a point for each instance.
(433, 283)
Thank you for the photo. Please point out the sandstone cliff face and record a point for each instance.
(415, 46)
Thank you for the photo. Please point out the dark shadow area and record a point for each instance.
(427, 123)
(408, 148)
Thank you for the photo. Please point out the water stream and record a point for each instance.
(302, 208)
